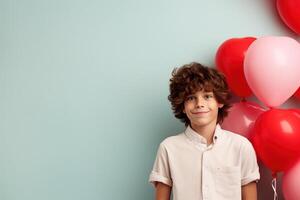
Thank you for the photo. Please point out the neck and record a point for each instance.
(207, 131)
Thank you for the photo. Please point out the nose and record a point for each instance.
(200, 103)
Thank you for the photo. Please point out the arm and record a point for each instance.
(250, 172)
(162, 191)
(249, 191)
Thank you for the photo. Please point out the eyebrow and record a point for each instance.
(212, 93)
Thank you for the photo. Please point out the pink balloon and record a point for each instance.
(272, 69)
(241, 117)
(291, 183)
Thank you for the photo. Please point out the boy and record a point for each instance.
(204, 162)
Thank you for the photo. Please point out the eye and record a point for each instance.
(190, 98)
(208, 96)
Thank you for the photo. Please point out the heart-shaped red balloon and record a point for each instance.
(230, 60)
(277, 138)
(297, 94)
(289, 11)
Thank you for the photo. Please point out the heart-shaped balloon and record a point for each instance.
(289, 11)
(291, 182)
(297, 94)
(241, 117)
(230, 60)
(272, 69)
(277, 138)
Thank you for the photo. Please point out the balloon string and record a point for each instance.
(274, 186)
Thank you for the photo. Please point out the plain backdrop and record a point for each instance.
(84, 86)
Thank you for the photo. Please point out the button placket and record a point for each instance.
(205, 175)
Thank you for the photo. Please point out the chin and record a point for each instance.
(202, 122)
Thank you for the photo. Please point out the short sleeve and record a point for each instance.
(250, 170)
(161, 168)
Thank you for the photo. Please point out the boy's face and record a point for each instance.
(201, 108)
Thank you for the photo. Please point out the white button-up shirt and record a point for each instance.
(196, 171)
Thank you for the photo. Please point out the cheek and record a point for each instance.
(215, 109)
(214, 105)
(187, 106)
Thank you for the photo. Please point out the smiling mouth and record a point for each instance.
(200, 113)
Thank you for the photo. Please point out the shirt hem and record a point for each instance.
(155, 177)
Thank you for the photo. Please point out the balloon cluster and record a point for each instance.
(269, 68)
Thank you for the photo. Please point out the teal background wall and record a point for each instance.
(84, 85)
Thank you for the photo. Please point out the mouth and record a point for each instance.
(200, 113)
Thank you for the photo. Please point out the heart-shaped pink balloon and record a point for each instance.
(272, 69)
(291, 182)
(241, 117)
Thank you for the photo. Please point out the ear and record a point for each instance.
(220, 105)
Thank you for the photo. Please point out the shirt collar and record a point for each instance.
(197, 138)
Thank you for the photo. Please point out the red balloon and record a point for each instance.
(230, 60)
(296, 110)
(277, 138)
(289, 11)
(297, 94)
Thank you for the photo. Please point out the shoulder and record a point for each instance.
(173, 140)
(236, 139)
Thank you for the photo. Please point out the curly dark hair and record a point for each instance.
(193, 77)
